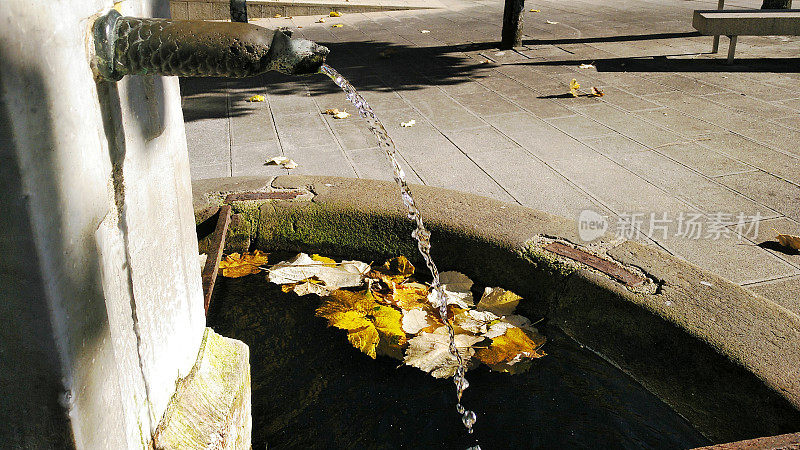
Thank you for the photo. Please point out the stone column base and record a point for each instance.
(211, 406)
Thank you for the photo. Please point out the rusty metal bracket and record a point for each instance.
(607, 267)
(215, 256)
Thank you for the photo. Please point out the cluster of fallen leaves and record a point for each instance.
(574, 86)
(385, 312)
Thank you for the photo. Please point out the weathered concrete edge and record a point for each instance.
(211, 406)
(622, 325)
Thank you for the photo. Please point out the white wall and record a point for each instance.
(100, 293)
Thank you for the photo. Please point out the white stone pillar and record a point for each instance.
(100, 294)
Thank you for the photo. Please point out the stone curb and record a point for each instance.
(728, 360)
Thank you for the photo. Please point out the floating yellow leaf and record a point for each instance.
(788, 240)
(535, 10)
(475, 322)
(372, 328)
(302, 267)
(276, 15)
(430, 352)
(257, 98)
(457, 290)
(337, 25)
(415, 320)
(395, 270)
(596, 92)
(509, 349)
(499, 301)
(237, 265)
(335, 14)
(324, 260)
(573, 87)
(410, 296)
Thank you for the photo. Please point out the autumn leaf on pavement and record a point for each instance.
(281, 161)
(372, 328)
(238, 265)
(595, 92)
(573, 87)
(513, 347)
(788, 240)
(430, 352)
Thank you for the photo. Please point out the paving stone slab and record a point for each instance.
(750, 105)
(764, 236)
(373, 164)
(756, 155)
(731, 257)
(703, 193)
(535, 185)
(768, 190)
(643, 132)
(781, 291)
(704, 160)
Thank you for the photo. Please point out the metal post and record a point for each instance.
(512, 24)
(239, 11)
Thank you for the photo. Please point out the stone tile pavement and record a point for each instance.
(678, 140)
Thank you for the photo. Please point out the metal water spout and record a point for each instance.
(196, 48)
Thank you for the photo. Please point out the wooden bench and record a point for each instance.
(760, 22)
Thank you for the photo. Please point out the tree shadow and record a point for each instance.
(668, 63)
(378, 66)
(621, 38)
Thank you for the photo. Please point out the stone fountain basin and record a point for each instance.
(724, 358)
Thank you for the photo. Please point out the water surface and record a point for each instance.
(311, 389)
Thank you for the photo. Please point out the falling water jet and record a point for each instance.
(420, 233)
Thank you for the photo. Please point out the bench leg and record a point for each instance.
(715, 45)
(731, 49)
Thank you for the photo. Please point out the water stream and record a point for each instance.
(420, 233)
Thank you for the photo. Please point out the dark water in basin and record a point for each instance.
(311, 389)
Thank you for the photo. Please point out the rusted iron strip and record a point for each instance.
(278, 195)
(780, 442)
(215, 255)
(607, 267)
